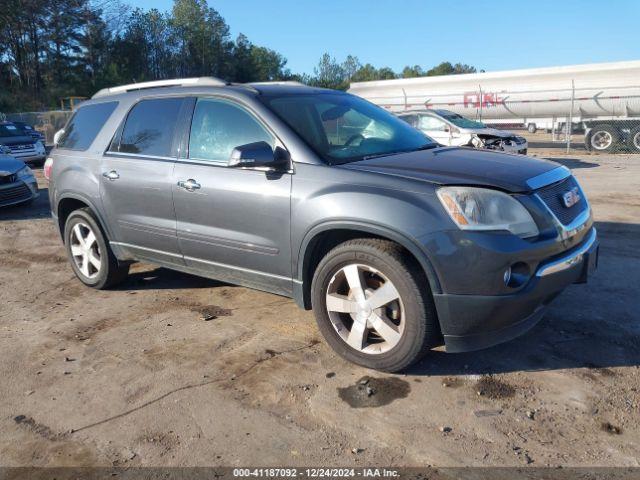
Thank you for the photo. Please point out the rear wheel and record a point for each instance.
(373, 305)
(634, 140)
(603, 138)
(90, 256)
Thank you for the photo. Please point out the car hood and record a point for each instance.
(461, 166)
(10, 165)
(490, 131)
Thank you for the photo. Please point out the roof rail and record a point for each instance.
(293, 83)
(177, 82)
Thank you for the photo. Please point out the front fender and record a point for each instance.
(371, 228)
(328, 198)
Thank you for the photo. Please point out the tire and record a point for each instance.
(532, 128)
(603, 138)
(634, 140)
(408, 321)
(101, 269)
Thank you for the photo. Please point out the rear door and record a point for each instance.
(235, 223)
(137, 177)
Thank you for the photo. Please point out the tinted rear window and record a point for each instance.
(84, 126)
(150, 127)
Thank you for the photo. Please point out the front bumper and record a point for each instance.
(517, 148)
(24, 190)
(473, 322)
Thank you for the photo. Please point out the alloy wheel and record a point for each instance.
(85, 250)
(365, 309)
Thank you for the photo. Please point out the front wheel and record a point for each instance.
(373, 305)
(90, 256)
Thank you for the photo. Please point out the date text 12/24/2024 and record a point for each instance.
(314, 472)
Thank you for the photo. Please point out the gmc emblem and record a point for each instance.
(571, 197)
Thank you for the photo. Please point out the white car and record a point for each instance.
(448, 128)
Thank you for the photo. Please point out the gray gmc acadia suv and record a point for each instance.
(397, 243)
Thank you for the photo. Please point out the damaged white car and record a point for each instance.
(448, 128)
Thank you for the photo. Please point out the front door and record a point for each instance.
(435, 128)
(232, 223)
(137, 178)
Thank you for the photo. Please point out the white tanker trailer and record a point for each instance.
(603, 97)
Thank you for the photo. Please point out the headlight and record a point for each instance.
(5, 150)
(25, 172)
(484, 209)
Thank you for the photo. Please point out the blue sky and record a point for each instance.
(493, 35)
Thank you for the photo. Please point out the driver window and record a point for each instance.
(219, 126)
(432, 124)
(410, 119)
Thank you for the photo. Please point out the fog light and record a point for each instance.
(517, 275)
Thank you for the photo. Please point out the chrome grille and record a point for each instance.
(15, 194)
(552, 197)
(22, 150)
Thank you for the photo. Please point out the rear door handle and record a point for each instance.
(189, 185)
(112, 175)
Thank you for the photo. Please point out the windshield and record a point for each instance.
(460, 121)
(9, 130)
(343, 128)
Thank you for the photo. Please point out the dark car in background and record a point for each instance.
(20, 144)
(17, 182)
(397, 243)
(30, 130)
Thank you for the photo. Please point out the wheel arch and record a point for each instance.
(322, 238)
(70, 202)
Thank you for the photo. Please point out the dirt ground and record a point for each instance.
(174, 370)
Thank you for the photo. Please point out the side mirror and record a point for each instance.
(259, 155)
(58, 136)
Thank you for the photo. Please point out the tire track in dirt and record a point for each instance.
(189, 387)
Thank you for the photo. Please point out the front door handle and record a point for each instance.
(112, 175)
(189, 185)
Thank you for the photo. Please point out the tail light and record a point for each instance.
(48, 165)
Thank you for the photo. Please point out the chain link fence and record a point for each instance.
(47, 123)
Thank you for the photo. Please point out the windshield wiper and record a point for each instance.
(427, 146)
